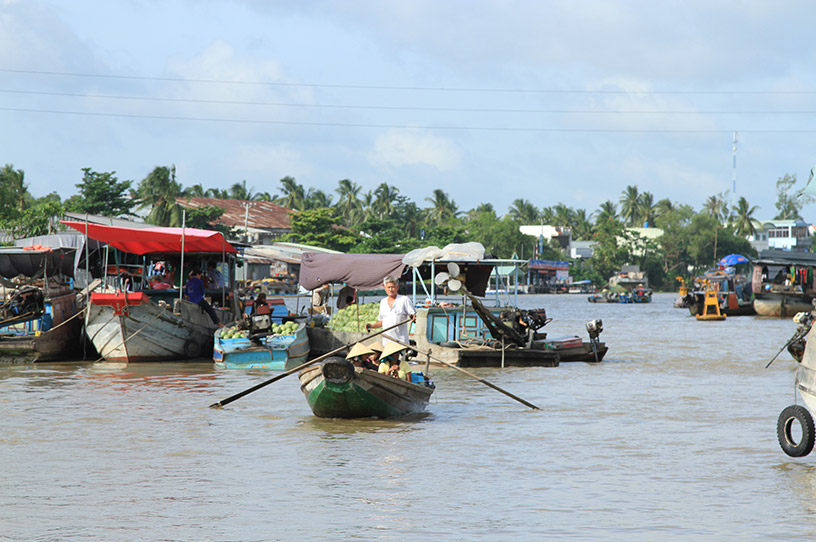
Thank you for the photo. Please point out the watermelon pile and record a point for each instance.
(354, 317)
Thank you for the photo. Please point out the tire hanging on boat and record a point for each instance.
(192, 349)
(784, 426)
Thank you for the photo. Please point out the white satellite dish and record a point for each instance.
(441, 278)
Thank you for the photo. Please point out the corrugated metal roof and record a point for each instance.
(263, 215)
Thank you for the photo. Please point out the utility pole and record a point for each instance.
(734, 171)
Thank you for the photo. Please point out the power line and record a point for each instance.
(410, 108)
(412, 88)
(404, 126)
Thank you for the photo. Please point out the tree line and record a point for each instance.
(384, 220)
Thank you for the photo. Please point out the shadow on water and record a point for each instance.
(341, 426)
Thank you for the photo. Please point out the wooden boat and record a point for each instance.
(156, 324)
(784, 282)
(469, 335)
(335, 388)
(261, 350)
(38, 316)
(733, 292)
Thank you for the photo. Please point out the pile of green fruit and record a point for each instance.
(284, 329)
(234, 332)
(355, 317)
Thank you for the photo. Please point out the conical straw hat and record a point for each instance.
(375, 345)
(359, 349)
(391, 348)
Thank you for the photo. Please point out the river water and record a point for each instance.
(671, 437)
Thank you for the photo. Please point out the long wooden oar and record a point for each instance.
(237, 396)
(483, 381)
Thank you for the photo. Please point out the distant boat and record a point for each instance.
(335, 388)
(733, 291)
(784, 282)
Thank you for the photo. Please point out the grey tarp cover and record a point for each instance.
(361, 271)
(16, 261)
(62, 240)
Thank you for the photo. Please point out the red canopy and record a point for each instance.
(155, 240)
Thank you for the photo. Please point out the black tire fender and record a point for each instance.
(192, 349)
(784, 426)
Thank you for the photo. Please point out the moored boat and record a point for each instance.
(39, 316)
(795, 427)
(152, 323)
(334, 388)
(784, 282)
(733, 291)
(277, 348)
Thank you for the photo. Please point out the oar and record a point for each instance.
(483, 381)
(798, 335)
(237, 396)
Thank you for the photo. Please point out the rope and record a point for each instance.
(163, 308)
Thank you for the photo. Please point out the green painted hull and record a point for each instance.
(366, 394)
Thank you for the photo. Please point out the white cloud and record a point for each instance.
(399, 148)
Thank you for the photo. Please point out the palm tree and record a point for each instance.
(524, 211)
(316, 199)
(581, 226)
(385, 195)
(367, 205)
(563, 215)
(480, 209)
(241, 192)
(160, 190)
(646, 208)
(716, 207)
(744, 219)
(293, 196)
(216, 193)
(348, 204)
(629, 205)
(195, 191)
(443, 208)
(13, 190)
(664, 207)
(606, 212)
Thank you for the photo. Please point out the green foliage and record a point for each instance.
(14, 196)
(39, 219)
(500, 237)
(102, 194)
(789, 204)
(159, 190)
(205, 218)
(319, 227)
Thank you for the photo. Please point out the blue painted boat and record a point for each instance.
(267, 350)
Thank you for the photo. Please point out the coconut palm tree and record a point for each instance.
(743, 219)
(581, 226)
(524, 211)
(159, 190)
(716, 207)
(294, 194)
(630, 210)
(348, 203)
(606, 212)
(664, 207)
(13, 191)
(443, 208)
(241, 192)
(563, 215)
(385, 196)
(646, 208)
(317, 199)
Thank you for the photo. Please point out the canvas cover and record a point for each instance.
(361, 271)
(16, 261)
(156, 240)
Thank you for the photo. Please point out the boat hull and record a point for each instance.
(337, 389)
(36, 340)
(781, 305)
(133, 328)
(276, 352)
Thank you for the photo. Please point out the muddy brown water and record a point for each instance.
(672, 437)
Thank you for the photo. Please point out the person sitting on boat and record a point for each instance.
(360, 356)
(393, 310)
(347, 296)
(260, 305)
(391, 362)
(214, 278)
(195, 293)
(319, 297)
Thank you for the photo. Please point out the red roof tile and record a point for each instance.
(262, 214)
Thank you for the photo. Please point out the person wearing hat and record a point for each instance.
(391, 364)
(359, 356)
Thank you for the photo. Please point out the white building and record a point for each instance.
(781, 235)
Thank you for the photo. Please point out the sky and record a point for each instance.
(489, 100)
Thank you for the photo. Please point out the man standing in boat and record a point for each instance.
(393, 310)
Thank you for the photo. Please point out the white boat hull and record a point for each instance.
(141, 330)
